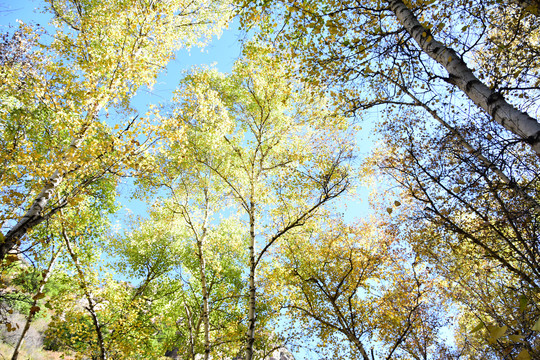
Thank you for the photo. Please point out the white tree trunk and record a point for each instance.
(34, 215)
(512, 119)
(202, 268)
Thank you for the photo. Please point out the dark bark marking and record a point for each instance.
(470, 84)
(495, 96)
(415, 27)
(495, 109)
(533, 139)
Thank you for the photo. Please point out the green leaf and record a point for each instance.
(523, 301)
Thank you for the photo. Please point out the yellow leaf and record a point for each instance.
(39, 296)
(523, 355)
(34, 309)
(477, 327)
(496, 332)
(523, 301)
(515, 338)
(536, 326)
(11, 258)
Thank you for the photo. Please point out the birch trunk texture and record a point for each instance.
(34, 216)
(202, 268)
(512, 119)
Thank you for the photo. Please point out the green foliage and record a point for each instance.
(242, 245)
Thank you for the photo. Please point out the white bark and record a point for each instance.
(512, 119)
(34, 215)
(202, 270)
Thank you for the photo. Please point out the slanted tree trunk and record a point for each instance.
(33, 308)
(35, 215)
(91, 303)
(512, 119)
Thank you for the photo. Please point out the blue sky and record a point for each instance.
(222, 52)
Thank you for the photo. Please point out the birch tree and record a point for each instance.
(278, 147)
(431, 48)
(358, 292)
(101, 54)
(445, 77)
(194, 235)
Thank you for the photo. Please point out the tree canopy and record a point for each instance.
(247, 247)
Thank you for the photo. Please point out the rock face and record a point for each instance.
(279, 354)
(173, 354)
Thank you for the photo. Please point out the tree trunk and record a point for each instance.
(191, 327)
(251, 307)
(30, 317)
(512, 119)
(202, 269)
(91, 304)
(352, 338)
(34, 216)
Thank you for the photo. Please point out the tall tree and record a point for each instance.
(359, 292)
(427, 47)
(55, 97)
(278, 146)
(193, 263)
(480, 217)
(447, 77)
